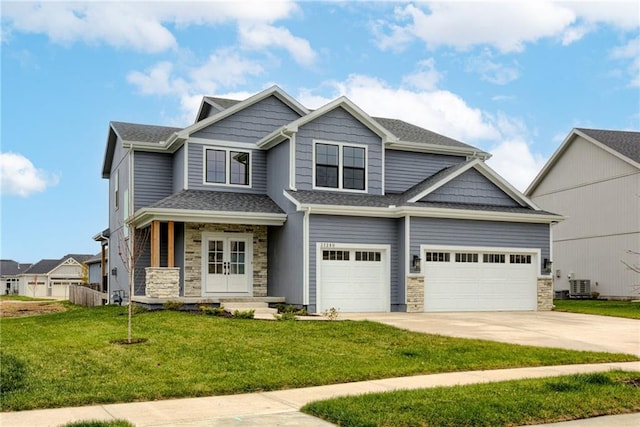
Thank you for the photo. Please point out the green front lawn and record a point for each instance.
(510, 403)
(627, 309)
(23, 298)
(68, 359)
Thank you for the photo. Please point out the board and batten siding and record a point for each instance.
(471, 187)
(120, 171)
(196, 165)
(285, 259)
(456, 232)
(354, 230)
(337, 126)
(404, 169)
(251, 123)
(153, 178)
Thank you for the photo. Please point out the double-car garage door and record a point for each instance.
(471, 279)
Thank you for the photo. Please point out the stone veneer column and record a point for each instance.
(162, 282)
(193, 255)
(545, 294)
(415, 293)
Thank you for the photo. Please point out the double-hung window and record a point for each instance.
(229, 167)
(340, 166)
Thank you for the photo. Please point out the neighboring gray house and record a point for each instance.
(10, 272)
(593, 179)
(52, 277)
(264, 199)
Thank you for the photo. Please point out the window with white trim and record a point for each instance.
(466, 257)
(374, 256)
(331, 255)
(437, 256)
(493, 258)
(227, 167)
(519, 259)
(340, 166)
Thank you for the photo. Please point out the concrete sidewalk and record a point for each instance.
(281, 408)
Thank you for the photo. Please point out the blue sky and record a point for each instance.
(511, 77)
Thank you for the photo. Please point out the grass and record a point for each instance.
(508, 403)
(627, 309)
(70, 359)
(23, 298)
(95, 423)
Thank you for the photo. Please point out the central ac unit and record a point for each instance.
(580, 288)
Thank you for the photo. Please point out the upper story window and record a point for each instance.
(340, 166)
(229, 167)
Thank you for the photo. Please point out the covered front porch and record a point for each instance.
(204, 257)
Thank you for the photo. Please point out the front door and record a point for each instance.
(227, 263)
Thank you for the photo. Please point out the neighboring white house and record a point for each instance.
(10, 271)
(52, 277)
(594, 180)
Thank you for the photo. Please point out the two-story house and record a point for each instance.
(331, 208)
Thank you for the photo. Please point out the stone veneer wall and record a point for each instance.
(162, 282)
(193, 255)
(415, 294)
(545, 294)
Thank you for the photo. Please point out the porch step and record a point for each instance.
(261, 309)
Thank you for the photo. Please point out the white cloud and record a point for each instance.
(514, 161)
(426, 78)
(505, 25)
(630, 51)
(147, 26)
(19, 177)
(257, 37)
(491, 71)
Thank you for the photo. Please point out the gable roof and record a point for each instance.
(9, 267)
(622, 144)
(44, 266)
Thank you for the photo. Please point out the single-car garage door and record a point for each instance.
(353, 279)
(472, 279)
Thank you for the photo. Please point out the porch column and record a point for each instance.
(170, 245)
(155, 244)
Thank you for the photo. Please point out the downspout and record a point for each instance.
(292, 158)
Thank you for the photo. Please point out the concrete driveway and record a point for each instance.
(542, 329)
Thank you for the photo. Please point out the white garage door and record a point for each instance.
(353, 279)
(479, 280)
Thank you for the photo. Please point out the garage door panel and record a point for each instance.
(479, 286)
(355, 285)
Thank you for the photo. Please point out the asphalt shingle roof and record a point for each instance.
(9, 267)
(411, 133)
(43, 266)
(626, 143)
(143, 133)
(223, 102)
(219, 201)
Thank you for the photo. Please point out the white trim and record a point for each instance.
(227, 160)
(223, 143)
(386, 256)
(292, 162)
(341, 146)
(144, 217)
(305, 257)
(423, 147)
(398, 211)
(185, 171)
(292, 200)
(407, 252)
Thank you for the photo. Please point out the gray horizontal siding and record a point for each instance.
(278, 172)
(285, 260)
(252, 123)
(404, 169)
(153, 178)
(471, 187)
(337, 126)
(455, 232)
(195, 164)
(356, 230)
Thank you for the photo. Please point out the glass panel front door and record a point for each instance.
(226, 269)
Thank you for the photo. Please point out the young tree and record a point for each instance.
(635, 267)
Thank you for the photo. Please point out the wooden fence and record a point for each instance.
(87, 297)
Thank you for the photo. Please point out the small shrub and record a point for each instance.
(288, 308)
(248, 314)
(595, 295)
(286, 315)
(213, 311)
(332, 313)
(173, 305)
(12, 372)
